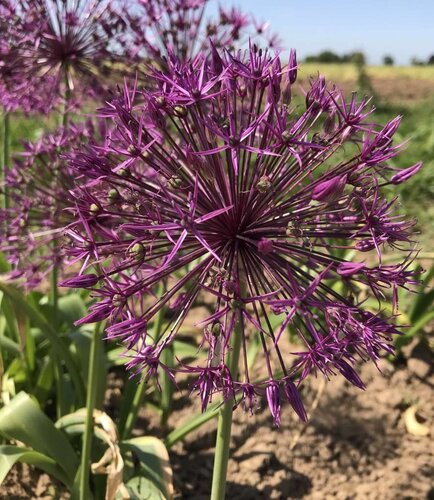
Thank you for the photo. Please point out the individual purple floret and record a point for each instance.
(231, 195)
(50, 48)
(38, 184)
(162, 28)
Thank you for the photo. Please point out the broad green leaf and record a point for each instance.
(142, 488)
(154, 462)
(6, 343)
(10, 317)
(72, 308)
(23, 420)
(80, 348)
(414, 330)
(44, 383)
(422, 304)
(114, 357)
(50, 333)
(184, 350)
(4, 265)
(10, 455)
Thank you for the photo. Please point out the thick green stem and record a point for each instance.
(5, 158)
(224, 427)
(90, 406)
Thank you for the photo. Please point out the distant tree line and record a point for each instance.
(358, 58)
(419, 62)
(328, 56)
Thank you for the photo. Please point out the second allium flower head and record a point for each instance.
(220, 189)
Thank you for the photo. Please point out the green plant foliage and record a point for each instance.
(57, 344)
(10, 455)
(153, 465)
(23, 420)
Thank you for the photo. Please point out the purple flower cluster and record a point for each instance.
(219, 185)
(38, 183)
(50, 47)
(162, 28)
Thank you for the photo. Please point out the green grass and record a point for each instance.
(416, 194)
(348, 72)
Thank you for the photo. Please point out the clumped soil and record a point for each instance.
(355, 446)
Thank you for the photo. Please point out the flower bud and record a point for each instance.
(265, 246)
(264, 184)
(405, 174)
(83, 281)
(329, 190)
(94, 209)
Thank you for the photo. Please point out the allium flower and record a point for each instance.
(162, 28)
(233, 196)
(49, 47)
(38, 184)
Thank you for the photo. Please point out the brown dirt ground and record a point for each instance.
(355, 446)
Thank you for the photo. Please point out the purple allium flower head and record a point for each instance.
(38, 184)
(181, 28)
(232, 197)
(50, 47)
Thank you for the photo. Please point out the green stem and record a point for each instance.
(5, 157)
(54, 291)
(141, 389)
(166, 387)
(134, 411)
(223, 439)
(92, 384)
(67, 98)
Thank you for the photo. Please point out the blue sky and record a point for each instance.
(401, 28)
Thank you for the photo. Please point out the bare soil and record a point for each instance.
(355, 446)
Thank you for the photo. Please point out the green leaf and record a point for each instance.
(23, 420)
(184, 350)
(414, 330)
(142, 488)
(44, 383)
(4, 265)
(50, 333)
(6, 343)
(114, 357)
(72, 308)
(10, 317)
(192, 424)
(80, 347)
(422, 304)
(10, 455)
(154, 462)
(30, 348)
(75, 491)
